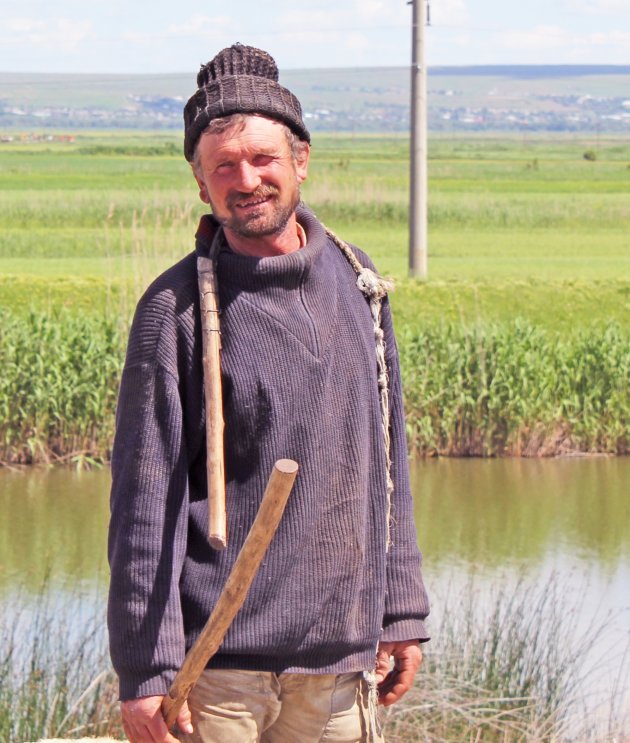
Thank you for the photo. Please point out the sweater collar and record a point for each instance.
(251, 273)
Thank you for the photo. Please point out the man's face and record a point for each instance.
(250, 177)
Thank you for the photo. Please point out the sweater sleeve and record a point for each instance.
(149, 509)
(406, 601)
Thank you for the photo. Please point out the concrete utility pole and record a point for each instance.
(418, 243)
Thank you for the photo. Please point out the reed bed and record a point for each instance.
(509, 669)
(55, 676)
(515, 389)
(490, 390)
(58, 387)
(495, 671)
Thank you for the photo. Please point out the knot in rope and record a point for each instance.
(373, 285)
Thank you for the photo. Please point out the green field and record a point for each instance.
(500, 211)
(523, 233)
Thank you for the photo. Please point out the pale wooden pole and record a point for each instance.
(236, 587)
(211, 360)
(418, 240)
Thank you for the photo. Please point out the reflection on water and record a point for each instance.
(486, 513)
(491, 512)
(54, 528)
(481, 524)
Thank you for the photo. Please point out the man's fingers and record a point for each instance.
(158, 730)
(184, 719)
(129, 732)
(392, 685)
(395, 685)
(382, 661)
(143, 721)
(390, 691)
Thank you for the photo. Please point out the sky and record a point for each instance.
(164, 36)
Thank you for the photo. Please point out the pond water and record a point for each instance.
(483, 525)
(487, 526)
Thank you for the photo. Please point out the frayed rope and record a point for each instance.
(375, 288)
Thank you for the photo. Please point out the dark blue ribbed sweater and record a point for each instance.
(299, 381)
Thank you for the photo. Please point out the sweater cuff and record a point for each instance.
(134, 687)
(405, 629)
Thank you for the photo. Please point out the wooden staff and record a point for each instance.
(233, 595)
(211, 348)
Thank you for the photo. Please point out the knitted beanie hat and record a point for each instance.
(240, 79)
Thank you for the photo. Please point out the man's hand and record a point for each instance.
(143, 721)
(392, 684)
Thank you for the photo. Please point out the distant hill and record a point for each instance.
(535, 71)
(475, 98)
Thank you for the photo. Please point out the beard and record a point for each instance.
(269, 218)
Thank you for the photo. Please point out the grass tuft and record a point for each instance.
(495, 672)
(55, 678)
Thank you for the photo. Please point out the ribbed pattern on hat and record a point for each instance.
(240, 79)
(238, 60)
(299, 381)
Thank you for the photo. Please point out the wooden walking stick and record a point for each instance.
(211, 347)
(233, 595)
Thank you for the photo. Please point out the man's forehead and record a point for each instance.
(250, 131)
(240, 122)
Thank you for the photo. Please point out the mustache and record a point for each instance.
(262, 192)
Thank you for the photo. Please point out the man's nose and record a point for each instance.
(248, 176)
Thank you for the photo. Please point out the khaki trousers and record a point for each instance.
(255, 707)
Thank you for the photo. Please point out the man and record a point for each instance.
(339, 594)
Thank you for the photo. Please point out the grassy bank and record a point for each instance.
(485, 390)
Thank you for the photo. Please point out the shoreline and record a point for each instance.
(98, 463)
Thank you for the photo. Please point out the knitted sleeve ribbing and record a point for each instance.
(406, 604)
(149, 513)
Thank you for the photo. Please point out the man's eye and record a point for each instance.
(262, 160)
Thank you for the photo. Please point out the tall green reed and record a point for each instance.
(58, 387)
(516, 389)
(489, 390)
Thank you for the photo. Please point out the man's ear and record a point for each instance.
(203, 191)
(301, 161)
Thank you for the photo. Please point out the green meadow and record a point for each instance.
(518, 342)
